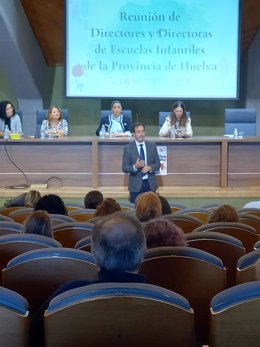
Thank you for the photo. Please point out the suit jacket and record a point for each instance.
(106, 120)
(130, 156)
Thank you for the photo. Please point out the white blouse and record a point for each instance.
(183, 131)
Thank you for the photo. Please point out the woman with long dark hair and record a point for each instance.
(9, 117)
(177, 120)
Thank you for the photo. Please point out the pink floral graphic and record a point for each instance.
(78, 70)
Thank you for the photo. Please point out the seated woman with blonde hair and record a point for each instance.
(148, 206)
(31, 198)
(40, 223)
(54, 125)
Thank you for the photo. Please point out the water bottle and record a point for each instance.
(173, 132)
(102, 132)
(235, 133)
(177, 129)
(6, 132)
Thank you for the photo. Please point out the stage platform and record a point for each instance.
(199, 167)
(168, 192)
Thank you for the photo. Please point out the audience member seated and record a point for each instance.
(51, 203)
(9, 117)
(93, 199)
(25, 199)
(17, 201)
(31, 198)
(118, 246)
(166, 208)
(116, 123)
(39, 223)
(54, 125)
(161, 232)
(224, 213)
(108, 206)
(148, 206)
(177, 121)
(253, 204)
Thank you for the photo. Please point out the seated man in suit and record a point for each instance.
(117, 124)
(140, 161)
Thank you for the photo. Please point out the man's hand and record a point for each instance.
(139, 163)
(146, 169)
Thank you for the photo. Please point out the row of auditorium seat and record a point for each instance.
(248, 231)
(251, 216)
(228, 241)
(196, 275)
(77, 317)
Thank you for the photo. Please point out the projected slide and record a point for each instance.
(152, 48)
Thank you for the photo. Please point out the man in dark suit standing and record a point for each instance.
(140, 161)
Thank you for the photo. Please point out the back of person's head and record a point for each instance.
(224, 213)
(51, 203)
(31, 198)
(93, 199)
(40, 223)
(108, 206)
(162, 232)
(166, 208)
(118, 242)
(148, 206)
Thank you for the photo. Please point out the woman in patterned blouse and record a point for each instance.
(54, 125)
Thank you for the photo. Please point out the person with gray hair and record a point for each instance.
(118, 244)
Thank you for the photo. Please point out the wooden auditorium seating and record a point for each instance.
(191, 272)
(14, 319)
(15, 244)
(73, 207)
(84, 244)
(5, 218)
(235, 316)
(58, 219)
(257, 245)
(252, 220)
(245, 233)
(253, 211)
(226, 247)
(211, 206)
(185, 222)
(248, 267)
(7, 210)
(68, 234)
(198, 212)
(20, 215)
(119, 314)
(37, 274)
(83, 215)
(10, 227)
(176, 207)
